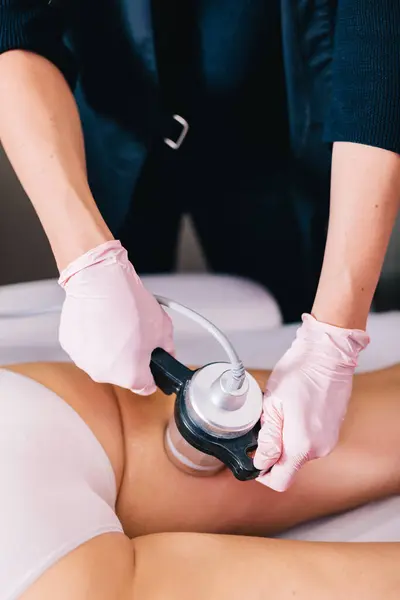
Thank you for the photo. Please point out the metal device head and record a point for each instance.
(212, 419)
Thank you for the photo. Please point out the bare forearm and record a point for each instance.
(41, 133)
(364, 203)
(204, 567)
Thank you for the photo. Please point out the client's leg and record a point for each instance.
(363, 467)
(217, 567)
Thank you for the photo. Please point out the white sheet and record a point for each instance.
(243, 310)
(219, 298)
(251, 318)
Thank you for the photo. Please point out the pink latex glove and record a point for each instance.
(306, 400)
(110, 323)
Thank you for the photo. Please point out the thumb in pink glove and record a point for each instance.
(306, 400)
(110, 323)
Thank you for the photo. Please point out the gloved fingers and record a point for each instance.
(269, 447)
(267, 454)
(168, 335)
(149, 388)
(144, 384)
(283, 472)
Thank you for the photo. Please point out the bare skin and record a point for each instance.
(41, 133)
(172, 518)
(364, 204)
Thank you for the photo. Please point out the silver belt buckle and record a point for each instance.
(183, 134)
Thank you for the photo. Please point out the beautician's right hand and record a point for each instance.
(110, 323)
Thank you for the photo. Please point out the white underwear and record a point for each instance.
(58, 488)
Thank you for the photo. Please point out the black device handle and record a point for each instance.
(235, 453)
(171, 377)
(169, 374)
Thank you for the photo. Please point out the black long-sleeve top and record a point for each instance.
(365, 98)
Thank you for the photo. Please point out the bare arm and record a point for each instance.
(363, 121)
(41, 133)
(364, 203)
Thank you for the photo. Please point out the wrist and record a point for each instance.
(341, 311)
(344, 295)
(75, 228)
(78, 244)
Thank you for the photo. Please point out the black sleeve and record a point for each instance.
(365, 104)
(37, 26)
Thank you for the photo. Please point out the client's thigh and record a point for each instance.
(355, 473)
(58, 489)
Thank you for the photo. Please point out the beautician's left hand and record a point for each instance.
(306, 400)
